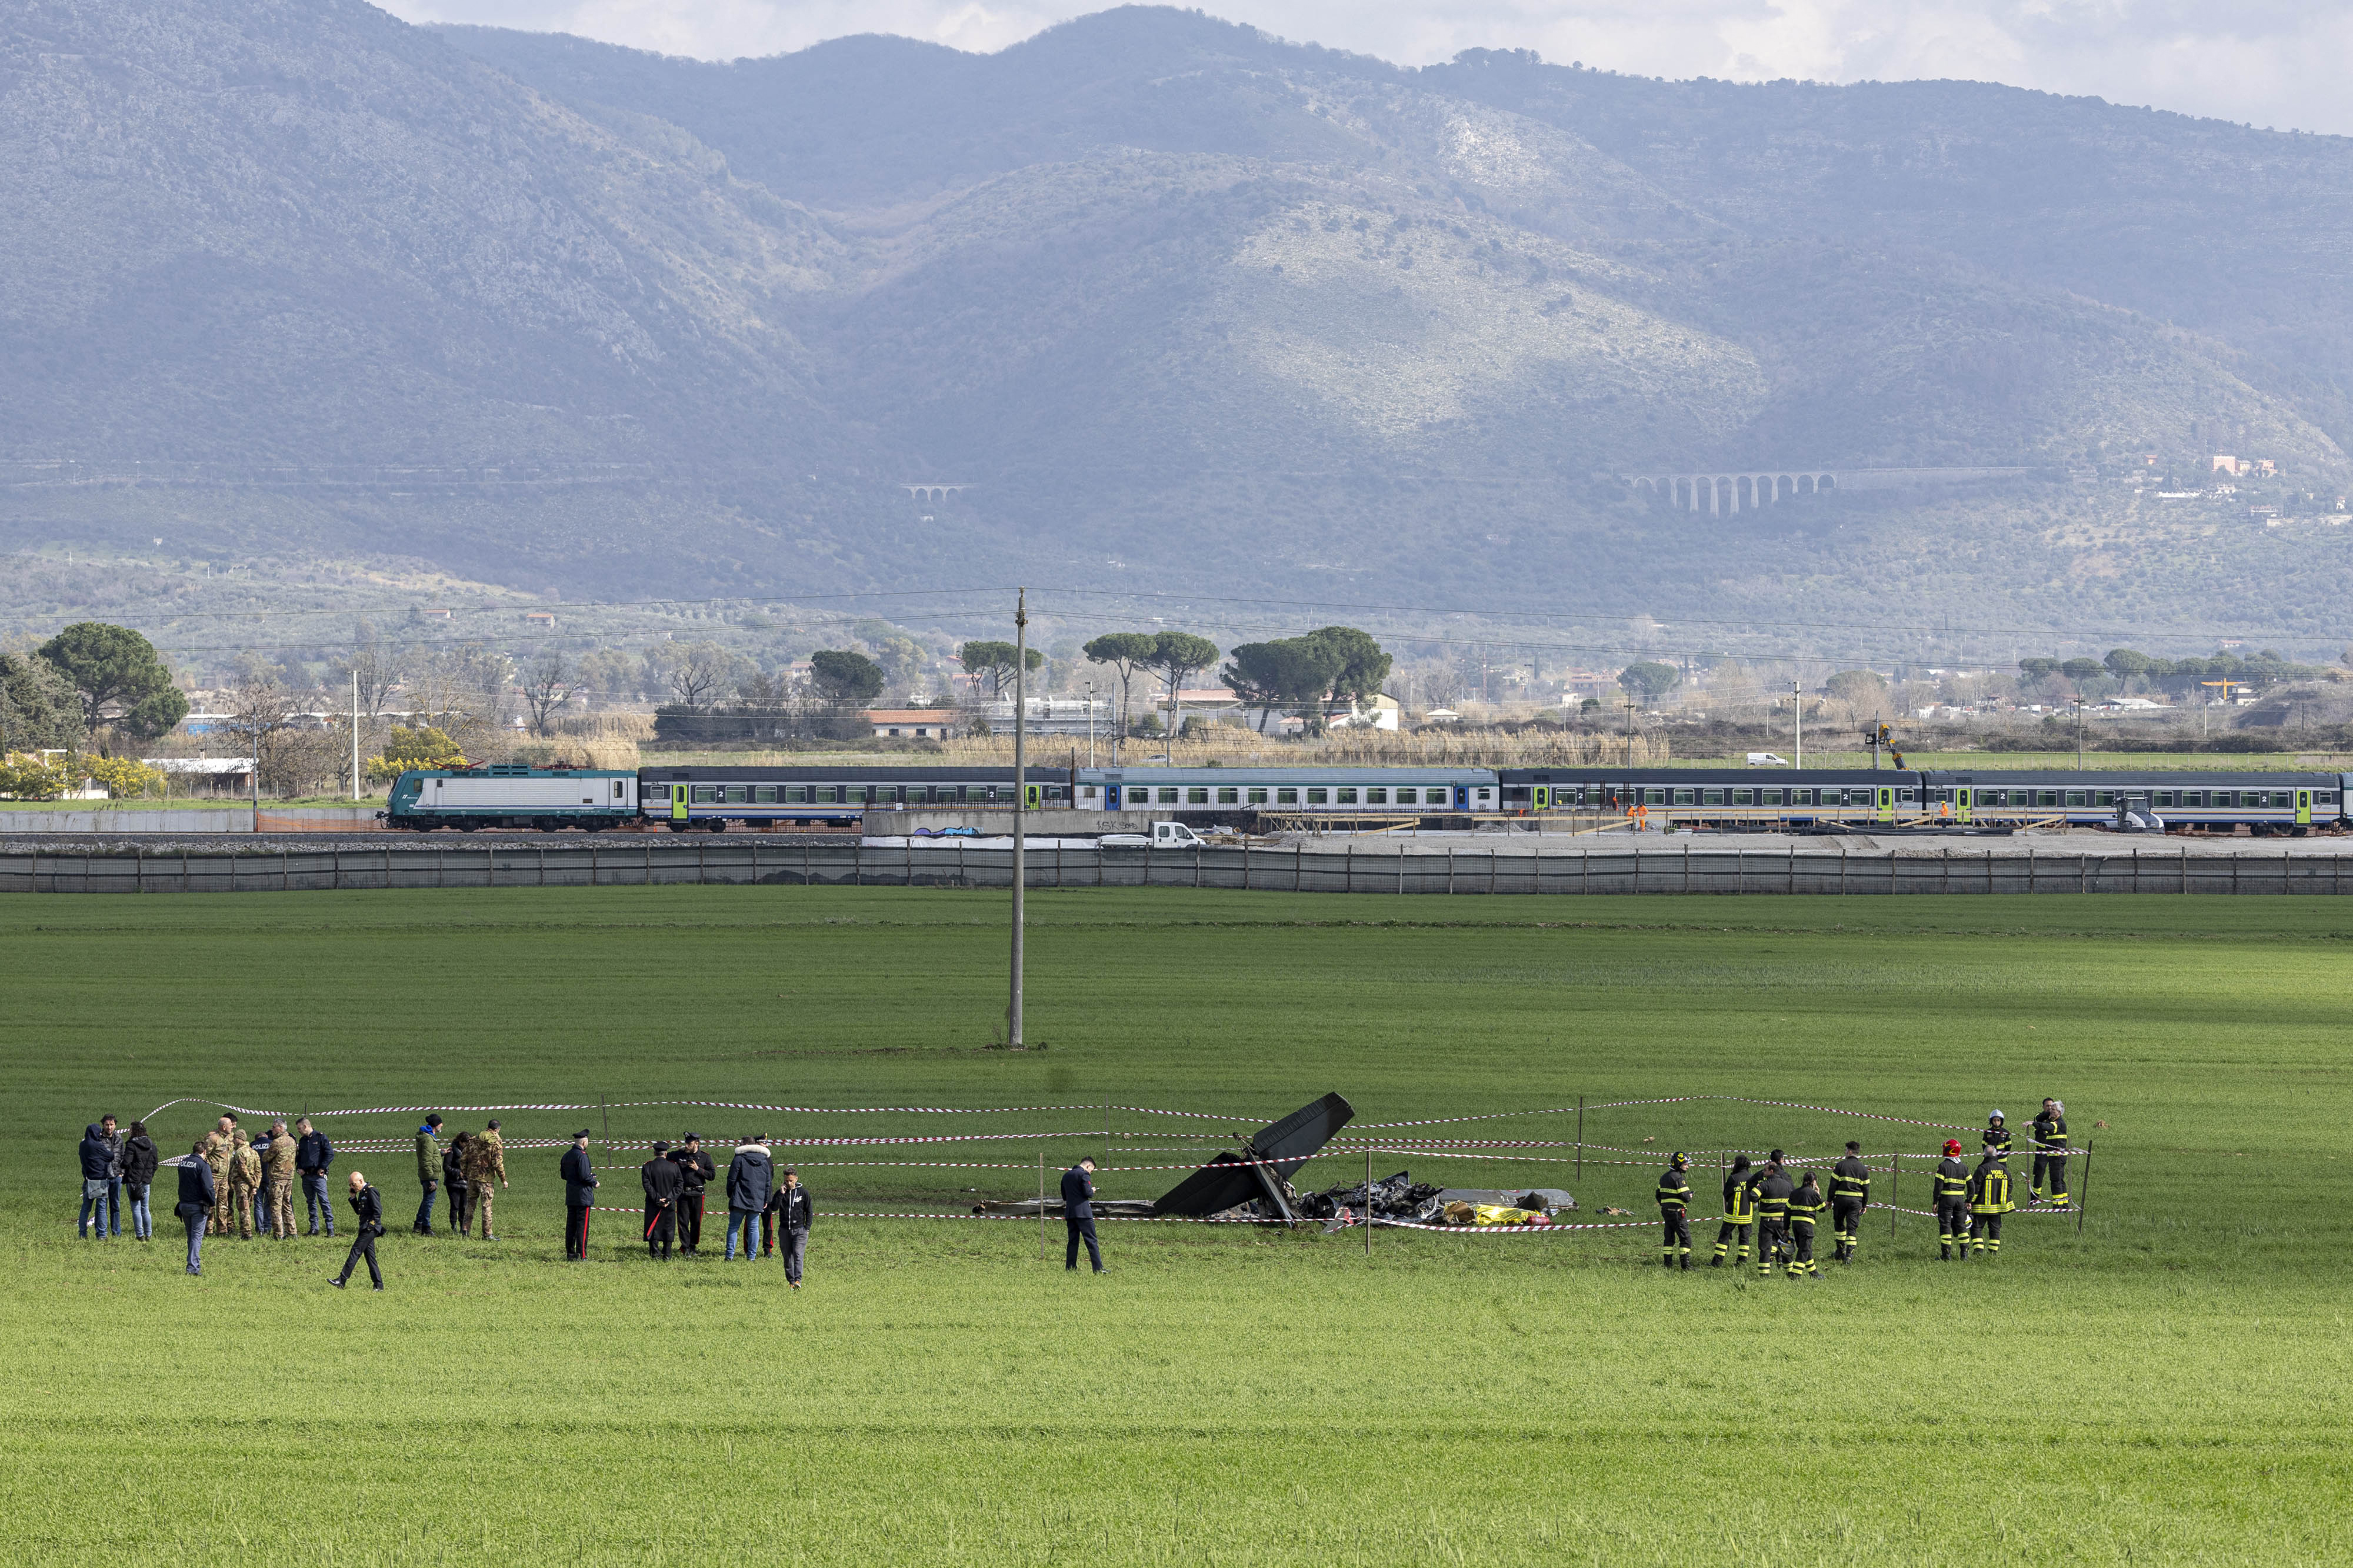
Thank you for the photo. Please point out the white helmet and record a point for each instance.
(1996, 1116)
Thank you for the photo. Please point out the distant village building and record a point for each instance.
(539, 618)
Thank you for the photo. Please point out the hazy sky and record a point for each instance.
(2282, 63)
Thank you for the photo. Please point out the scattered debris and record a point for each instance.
(1256, 1184)
(1626, 1214)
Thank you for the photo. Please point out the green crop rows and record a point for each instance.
(2169, 1386)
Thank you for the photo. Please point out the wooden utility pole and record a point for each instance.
(1021, 805)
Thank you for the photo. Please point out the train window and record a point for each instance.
(1912, 796)
(1086, 792)
(1286, 795)
(1258, 795)
(1767, 796)
(2164, 797)
(1227, 795)
(1054, 791)
(704, 795)
(1743, 798)
(1654, 797)
(1405, 798)
(1197, 795)
(616, 789)
(1168, 795)
(1343, 798)
(657, 792)
(766, 795)
(1711, 797)
(2046, 797)
(2075, 797)
(737, 794)
(2223, 798)
(2103, 798)
(1315, 797)
(1377, 796)
(1683, 797)
(2319, 796)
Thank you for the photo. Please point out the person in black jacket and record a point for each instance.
(454, 1178)
(1739, 1215)
(367, 1204)
(579, 1197)
(1950, 1186)
(795, 1212)
(197, 1195)
(1078, 1214)
(140, 1161)
(100, 1177)
(660, 1176)
(1773, 1189)
(696, 1171)
(1674, 1196)
(312, 1155)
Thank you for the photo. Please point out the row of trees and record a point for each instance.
(89, 678)
(2126, 668)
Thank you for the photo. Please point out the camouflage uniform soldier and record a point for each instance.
(217, 1149)
(486, 1160)
(244, 1182)
(277, 1172)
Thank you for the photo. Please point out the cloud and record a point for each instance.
(2263, 62)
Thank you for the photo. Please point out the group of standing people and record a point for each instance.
(1785, 1214)
(472, 1167)
(117, 1168)
(769, 1216)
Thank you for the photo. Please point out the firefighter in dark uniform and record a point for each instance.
(1773, 1190)
(1951, 1183)
(2049, 1139)
(1997, 1135)
(1988, 1200)
(1806, 1206)
(1850, 1195)
(1739, 1215)
(1674, 1196)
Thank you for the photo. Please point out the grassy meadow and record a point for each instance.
(2168, 1385)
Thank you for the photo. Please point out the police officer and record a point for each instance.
(1806, 1205)
(1849, 1196)
(1988, 1200)
(1739, 1215)
(1773, 1189)
(1079, 1214)
(367, 1206)
(198, 1201)
(1997, 1135)
(663, 1183)
(579, 1197)
(244, 1180)
(314, 1153)
(1951, 1185)
(1674, 1195)
(2050, 1138)
(697, 1170)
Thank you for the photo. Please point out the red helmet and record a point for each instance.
(1952, 1145)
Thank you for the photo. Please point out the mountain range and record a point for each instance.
(1148, 299)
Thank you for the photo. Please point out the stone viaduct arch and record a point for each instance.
(1726, 494)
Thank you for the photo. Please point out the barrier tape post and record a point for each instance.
(1580, 1137)
(1894, 1182)
(1042, 1203)
(1368, 1201)
(2084, 1193)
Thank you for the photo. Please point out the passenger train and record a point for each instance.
(849, 795)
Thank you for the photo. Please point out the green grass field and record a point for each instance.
(2170, 1386)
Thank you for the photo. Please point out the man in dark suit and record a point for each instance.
(1079, 1214)
(197, 1195)
(367, 1208)
(795, 1214)
(579, 1196)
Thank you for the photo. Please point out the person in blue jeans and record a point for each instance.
(750, 1179)
(140, 1161)
(312, 1155)
(114, 1178)
(197, 1195)
(102, 1173)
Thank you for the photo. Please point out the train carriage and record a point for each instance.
(1214, 793)
(840, 795)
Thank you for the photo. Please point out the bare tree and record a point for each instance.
(261, 712)
(379, 669)
(547, 686)
(696, 672)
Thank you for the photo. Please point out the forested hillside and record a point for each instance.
(1165, 295)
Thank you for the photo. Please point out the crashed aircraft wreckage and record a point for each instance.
(1255, 1185)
